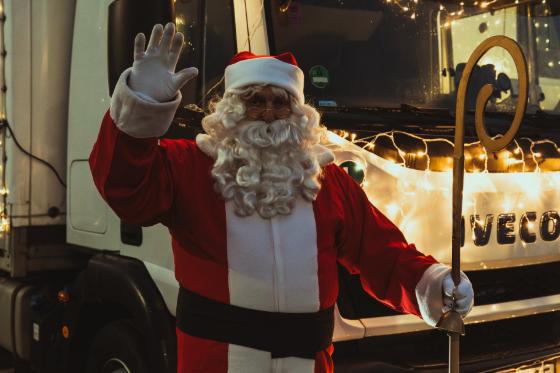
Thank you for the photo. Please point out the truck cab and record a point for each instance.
(78, 284)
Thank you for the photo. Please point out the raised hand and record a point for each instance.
(153, 71)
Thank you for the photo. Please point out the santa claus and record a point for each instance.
(258, 213)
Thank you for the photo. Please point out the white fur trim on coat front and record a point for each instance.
(429, 293)
(138, 115)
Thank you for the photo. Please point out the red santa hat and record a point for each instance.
(246, 68)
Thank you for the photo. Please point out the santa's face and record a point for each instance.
(263, 141)
(267, 105)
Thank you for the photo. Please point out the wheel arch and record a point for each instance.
(113, 287)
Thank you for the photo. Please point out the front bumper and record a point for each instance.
(389, 325)
(486, 347)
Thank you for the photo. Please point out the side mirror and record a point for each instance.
(503, 82)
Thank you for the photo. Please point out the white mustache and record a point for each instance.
(265, 135)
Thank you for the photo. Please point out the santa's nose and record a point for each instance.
(268, 115)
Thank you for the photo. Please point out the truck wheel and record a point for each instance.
(117, 348)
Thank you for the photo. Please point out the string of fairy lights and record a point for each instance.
(529, 188)
(4, 219)
(410, 7)
(527, 160)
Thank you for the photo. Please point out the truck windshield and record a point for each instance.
(385, 53)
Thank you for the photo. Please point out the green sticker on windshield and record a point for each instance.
(319, 76)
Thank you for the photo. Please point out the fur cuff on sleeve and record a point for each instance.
(138, 115)
(429, 293)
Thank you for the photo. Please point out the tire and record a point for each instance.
(117, 348)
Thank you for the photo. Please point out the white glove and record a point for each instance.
(153, 71)
(464, 294)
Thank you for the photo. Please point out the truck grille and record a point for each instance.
(490, 286)
(509, 284)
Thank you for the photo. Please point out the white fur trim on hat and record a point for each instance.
(139, 115)
(266, 70)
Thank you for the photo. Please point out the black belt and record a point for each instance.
(283, 334)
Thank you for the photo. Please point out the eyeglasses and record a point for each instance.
(256, 106)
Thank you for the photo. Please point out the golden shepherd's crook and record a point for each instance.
(451, 321)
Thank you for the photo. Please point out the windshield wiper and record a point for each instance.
(406, 117)
(379, 118)
(405, 108)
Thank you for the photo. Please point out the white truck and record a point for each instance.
(83, 291)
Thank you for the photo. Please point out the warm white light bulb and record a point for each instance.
(392, 210)
(4, 225)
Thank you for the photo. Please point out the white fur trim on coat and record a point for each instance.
(325, 156)
(206, 144)
(429, 293)
(138, 115)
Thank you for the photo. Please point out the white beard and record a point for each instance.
(263, 167)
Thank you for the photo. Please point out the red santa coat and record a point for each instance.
(284, 264)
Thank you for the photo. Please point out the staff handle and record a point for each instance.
(451, 321)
